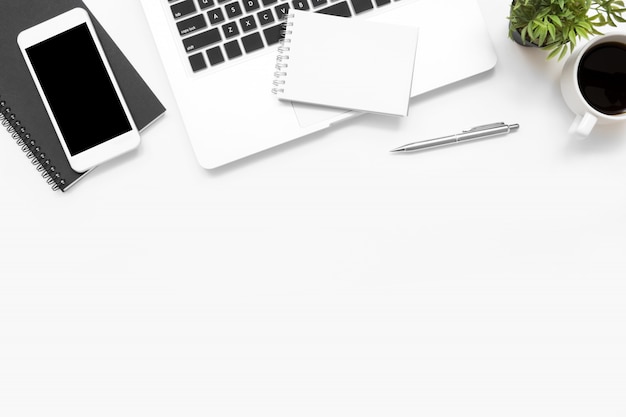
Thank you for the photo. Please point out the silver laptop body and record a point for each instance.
(226, 101)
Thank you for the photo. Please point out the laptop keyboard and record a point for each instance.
(213, 32)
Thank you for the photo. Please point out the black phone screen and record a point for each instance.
(78, 88)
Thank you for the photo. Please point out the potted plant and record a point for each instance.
(556, 25)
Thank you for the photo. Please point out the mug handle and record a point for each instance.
(583, 125)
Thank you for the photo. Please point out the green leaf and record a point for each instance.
(524, 34)
(572, 36)
(552, 31)
(556, 20)
(542, 37)
(554, 52)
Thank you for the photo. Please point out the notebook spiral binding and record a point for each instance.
(283, 49)
(29, 146)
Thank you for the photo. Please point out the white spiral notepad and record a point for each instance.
(346, 63)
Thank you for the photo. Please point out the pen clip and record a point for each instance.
(485, 127)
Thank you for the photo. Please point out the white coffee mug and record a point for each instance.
(586, 115)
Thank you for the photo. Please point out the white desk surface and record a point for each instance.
(326, 277)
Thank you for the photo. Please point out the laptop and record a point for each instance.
(219, 56)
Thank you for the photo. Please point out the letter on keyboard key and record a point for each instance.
(201, 40)
(247, 23)
(265, 17)
(230, 29)
(233, 9)
(252, 42)
(361, 5)
(216, 16)
(205, 4)
(337, 9)
(300, 4)
(282, 10)
(250, 5)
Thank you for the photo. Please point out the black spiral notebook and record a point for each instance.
(22, 111)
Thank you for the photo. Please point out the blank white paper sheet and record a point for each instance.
(346, 63)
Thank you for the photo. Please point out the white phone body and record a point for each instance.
(78, 89)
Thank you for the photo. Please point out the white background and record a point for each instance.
(326, 277)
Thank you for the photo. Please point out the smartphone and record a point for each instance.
(78, 89)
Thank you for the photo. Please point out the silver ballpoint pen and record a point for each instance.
(477, 132)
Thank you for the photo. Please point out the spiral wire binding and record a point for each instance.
(29, 146)
(281, 65)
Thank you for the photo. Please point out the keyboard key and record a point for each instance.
(183, 8)
(205, 4)
(318, 3)
(233, 9)
(247, 23)
(300, 4)
(274, 34)
(268, 2)
(197, 62)
(250, 5)
(382, 2)
(281, 11)
(232, 49)
(337, 9)
(252, 42)
(215, 55)
(265, 17)
(201, 40)
(361, 5)
(216, 16)
(230, 29)
(191, 25)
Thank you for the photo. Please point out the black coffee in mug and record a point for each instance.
(602, 77)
